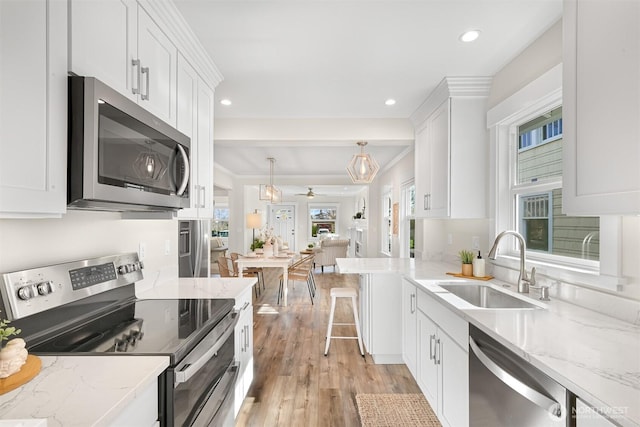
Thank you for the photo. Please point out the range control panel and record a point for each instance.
(23, 293)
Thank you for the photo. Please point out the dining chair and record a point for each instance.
(301, 270)
(249, 271)
(223, 266)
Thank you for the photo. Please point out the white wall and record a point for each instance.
(393, 176)
(29, 243)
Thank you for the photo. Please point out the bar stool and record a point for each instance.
(343, 293)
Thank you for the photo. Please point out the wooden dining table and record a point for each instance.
(260, 261)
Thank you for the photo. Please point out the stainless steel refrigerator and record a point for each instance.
(193, 248)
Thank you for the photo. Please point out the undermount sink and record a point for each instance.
(484, 296)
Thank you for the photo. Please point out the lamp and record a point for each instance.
(254, 220)
(362, 168)
(269, 192)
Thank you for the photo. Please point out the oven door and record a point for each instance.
(200, 389)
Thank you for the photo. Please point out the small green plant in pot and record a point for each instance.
(466, 257)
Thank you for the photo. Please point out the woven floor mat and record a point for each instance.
(378, 410)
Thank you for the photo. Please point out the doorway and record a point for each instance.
(407, 220)
(282, 218)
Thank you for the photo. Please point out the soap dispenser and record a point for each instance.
(478, 266)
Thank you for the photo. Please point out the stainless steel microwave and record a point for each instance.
(121, 157)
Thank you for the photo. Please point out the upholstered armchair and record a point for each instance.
(330, 249)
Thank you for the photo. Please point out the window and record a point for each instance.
(322, 219)
(220, 223)
(386, 222)
(408, 224)
(536, 193)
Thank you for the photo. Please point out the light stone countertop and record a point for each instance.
(597, 357)
(82, 390)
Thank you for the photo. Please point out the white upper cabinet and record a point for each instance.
(451, 150)
(117, 42)
(195, 119)
(601, 107)
(33, 108)
(104, 42)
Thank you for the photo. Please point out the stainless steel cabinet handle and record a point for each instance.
(549, 405)
(412, 303)
(438, 353)
(185, 178)
(242, 339)
(204, 196)
(246, 337)
(431, 339)
(145, 70)
(136, 63)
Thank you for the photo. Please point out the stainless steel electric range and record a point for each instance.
(89, 308)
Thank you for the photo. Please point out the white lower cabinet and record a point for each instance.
(142, 411)
(586, 416)
(409, 326)
(381, 317)
(443, 360)
(244, 348)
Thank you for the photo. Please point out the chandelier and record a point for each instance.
(270, 192)
(362, 168)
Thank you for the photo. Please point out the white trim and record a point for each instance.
(539, 96)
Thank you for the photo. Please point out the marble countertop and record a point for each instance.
(595, 356)
(82, 390)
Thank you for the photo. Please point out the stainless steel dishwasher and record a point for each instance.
(505, 390)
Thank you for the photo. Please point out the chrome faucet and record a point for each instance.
(523, 281)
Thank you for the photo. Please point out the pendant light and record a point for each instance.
(270, 192)
(362, 168)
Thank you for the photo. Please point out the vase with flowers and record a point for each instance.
(268, 238)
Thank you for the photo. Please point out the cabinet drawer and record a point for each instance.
(455, 326)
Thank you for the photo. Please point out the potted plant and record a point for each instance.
(467, 259)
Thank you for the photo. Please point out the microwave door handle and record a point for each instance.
(535, 397)
(185, 178)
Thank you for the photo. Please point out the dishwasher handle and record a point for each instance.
(537, 398)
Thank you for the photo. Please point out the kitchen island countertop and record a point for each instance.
(595, 356)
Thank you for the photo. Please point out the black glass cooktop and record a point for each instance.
(148, 327)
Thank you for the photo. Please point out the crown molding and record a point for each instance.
(458, 87)
(169, 18)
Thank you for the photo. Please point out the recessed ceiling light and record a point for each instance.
(225, 102)
(469, 36)
(390, 102)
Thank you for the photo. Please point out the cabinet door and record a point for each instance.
(439, 162)
(187, 123)
(454, 390)
(409, 326)
(428, 374)
(205, 151)
(601, 97)
(365, 311)
(422, 172)
(158, 57)
(33, 108)
(103, 42)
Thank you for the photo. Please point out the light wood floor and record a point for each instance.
(294, 383)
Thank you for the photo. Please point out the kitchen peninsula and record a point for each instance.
(595, 356)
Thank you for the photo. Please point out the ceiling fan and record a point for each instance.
(310, 194)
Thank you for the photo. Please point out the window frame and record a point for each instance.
(386, 239)
(332, 206)
(542, 94)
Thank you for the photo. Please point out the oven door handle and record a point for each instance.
(535, 397)
(186, 370)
